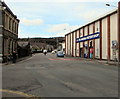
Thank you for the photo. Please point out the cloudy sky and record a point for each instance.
(52, 18)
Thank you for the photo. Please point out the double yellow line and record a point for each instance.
(17, 93)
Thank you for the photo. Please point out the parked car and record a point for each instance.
(60, 54)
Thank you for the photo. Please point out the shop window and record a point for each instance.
(81, 52)
(12, 26)
(86, 51)
(91, 44)
(97, 29)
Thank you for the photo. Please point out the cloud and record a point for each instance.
(57, 27)
(66, 30)
(34, 22)
(90, 14)
(67, 14)
(62, 28)
(79, 8)
(60, 34)
(86, 15)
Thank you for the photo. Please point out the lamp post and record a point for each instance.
(111, 5)
(118, 33)
(118, 29)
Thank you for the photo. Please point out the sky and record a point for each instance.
(55, 18)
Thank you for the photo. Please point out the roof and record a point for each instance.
(23, 44)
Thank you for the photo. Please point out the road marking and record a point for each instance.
(68, 59)
(53, 59)
(16, 92)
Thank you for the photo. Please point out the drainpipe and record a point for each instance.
(1, 48)
(118, 33)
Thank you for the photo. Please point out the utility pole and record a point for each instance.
(119, 33)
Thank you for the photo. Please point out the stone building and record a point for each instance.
(8, 32)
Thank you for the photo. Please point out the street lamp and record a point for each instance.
(111, 5)
(118, 29)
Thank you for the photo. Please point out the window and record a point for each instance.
(9, 23)
(12, 26)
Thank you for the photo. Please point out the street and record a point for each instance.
(51, 76)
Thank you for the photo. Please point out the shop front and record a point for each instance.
(88, 49)
(91, 49)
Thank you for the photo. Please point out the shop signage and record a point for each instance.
(88, 37)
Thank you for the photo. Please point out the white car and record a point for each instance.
(44, 51)
(54, 51)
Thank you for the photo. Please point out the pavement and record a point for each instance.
(113, 63)
(18, 60)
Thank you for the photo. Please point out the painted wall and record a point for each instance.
(90, 32)
(86, 42)
(74, 42)
(104, 38)
(97, 41)
(68, 44)
(81, 35)
(113, 32)
(71, 46)
(77, 50)
(91, 29)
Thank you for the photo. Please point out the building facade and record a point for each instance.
(98, 39)
(8, 32)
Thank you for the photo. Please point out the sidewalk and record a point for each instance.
(96, 60)
(107, 62)
(18, 60)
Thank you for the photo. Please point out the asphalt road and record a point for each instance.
(50, 76)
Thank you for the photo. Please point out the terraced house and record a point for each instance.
(8, 32)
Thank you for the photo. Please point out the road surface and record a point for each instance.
(50, 76)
